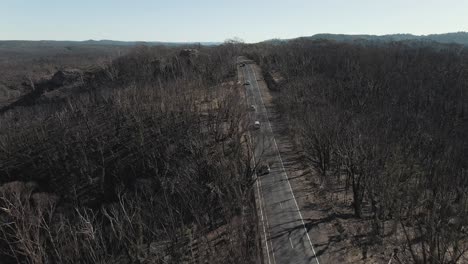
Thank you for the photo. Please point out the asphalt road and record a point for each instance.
(284, 235)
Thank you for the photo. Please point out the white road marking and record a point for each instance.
(292, 246)
(286, 174)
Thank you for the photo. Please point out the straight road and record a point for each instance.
(285, 238)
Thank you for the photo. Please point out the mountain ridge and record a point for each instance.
(102, 42)
(460, 37)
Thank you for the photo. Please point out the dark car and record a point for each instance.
(263, 169)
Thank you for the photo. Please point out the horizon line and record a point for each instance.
(209, 41)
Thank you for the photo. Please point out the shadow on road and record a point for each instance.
(310, 223)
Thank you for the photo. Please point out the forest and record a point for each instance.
(143, 161)
(388, 123)
(144, 157)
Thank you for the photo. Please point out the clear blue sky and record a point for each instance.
(217, 20)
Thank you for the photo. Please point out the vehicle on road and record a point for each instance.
(257, 125)
(242, 64)
(247, 83)
(252, 108)
(263, 169)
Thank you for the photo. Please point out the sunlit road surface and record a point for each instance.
(285, 238)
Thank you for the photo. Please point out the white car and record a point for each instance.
(247, 83)
(257, 125)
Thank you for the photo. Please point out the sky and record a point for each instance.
(218, 20)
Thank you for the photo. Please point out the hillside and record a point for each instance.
(24, 62)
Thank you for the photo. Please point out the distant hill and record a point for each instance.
(54, 43)
(148, 43)
(456, 37)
